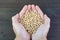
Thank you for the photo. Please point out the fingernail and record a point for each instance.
(44, 14)
(29, 7)
(16, 14)
(25, 5)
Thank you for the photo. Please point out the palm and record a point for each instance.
(44, 28)
(18, 27)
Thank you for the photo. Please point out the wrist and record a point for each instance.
(39, 38)
(21, 38)
(44, 38)
(18, 38)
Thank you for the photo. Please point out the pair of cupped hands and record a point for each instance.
(22, 34)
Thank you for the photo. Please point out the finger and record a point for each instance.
(29, 7)
(34, 8)
(39, 11)
(46, 24)
(15, 21)
(44, 28)
(47, 20)
(23, 10)
(15, 18)
(18, 27)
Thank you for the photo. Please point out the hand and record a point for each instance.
(42, 31)
(21, 33)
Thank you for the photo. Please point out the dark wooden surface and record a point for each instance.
(8, 8)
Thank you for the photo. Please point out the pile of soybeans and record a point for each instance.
(31, 21)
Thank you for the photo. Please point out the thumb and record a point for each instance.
(44, 28)
(17, 27)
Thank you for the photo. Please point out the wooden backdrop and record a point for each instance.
(8, 8)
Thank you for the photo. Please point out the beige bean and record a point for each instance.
(31, 21)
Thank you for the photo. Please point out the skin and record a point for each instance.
(18, 28)
(42, 31)
(21, 33)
